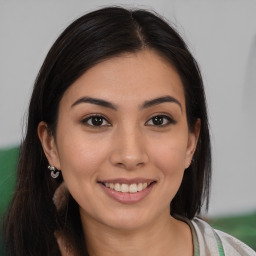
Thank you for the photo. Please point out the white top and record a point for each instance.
(210, 242)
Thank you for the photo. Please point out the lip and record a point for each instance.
(127, 181)
(127, 198)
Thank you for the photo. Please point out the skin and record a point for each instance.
(128, 144)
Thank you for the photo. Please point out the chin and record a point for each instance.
(127, 224)
(127, 220)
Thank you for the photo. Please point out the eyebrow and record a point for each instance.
(160, 100)
(95, 101)
(110, 105)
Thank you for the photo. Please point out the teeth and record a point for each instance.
(133, 188)
(125, 188)
(139, 187)
(144, 185)
(117, 187)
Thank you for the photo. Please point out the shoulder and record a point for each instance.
(212, 241)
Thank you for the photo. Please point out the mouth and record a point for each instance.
(128, 188)
(127, 191)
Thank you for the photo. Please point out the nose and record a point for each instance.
(129, 149)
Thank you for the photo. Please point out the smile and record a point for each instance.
(125, 188)
(127, 191)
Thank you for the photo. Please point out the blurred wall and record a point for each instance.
(220, 34)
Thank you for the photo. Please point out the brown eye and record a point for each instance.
(160, 120)
(96, 120)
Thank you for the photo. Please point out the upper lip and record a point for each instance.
(127, 181)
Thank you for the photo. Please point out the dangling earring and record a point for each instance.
(54, 172)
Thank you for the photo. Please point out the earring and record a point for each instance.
(54, 172)
(189, 163)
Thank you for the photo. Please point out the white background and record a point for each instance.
(220, 34)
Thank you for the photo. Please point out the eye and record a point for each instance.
(160, 120)
(95, 121)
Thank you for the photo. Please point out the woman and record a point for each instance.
(118, 137)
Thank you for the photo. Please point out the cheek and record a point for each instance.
(79, 152)
(81, 159)
(77, 158)
(169, 156)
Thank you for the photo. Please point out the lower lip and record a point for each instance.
(127, 198)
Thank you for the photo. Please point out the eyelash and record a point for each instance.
(168, 121)
(86, 121)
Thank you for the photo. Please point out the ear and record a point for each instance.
(192, 143)
(48, 144)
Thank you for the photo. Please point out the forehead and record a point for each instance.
(128, 78)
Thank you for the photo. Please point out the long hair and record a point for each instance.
(32, 217)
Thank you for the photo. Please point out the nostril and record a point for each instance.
(141, 163)
(128, 160)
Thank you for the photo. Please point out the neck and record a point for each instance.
(166, 236)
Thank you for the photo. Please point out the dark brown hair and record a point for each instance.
(32, 217)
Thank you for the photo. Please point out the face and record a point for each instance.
(122, 140)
